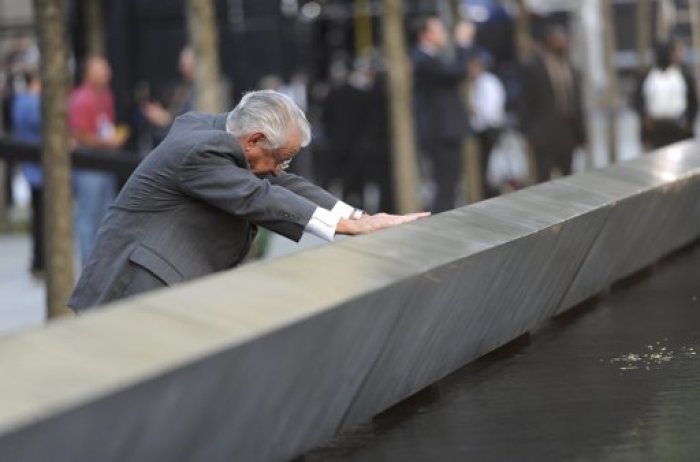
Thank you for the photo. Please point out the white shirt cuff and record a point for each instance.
(342, 209)
(323, 223)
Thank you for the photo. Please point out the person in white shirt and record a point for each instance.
(666, 99)
(487, 99)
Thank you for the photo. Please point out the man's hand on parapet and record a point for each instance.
(370, 223)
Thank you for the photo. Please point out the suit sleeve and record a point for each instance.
(216, 179)
(436, 70)
(305, 188)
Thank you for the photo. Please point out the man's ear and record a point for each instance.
(256, 138)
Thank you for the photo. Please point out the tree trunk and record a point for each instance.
(451, 15)
(94, 27)
(524, 48)
(643, 33)
(665, 20)
(363, 28)
(612, 97)
(403, 146)
(523, 41)
(55, 154)
(592, 65)
(203, 38)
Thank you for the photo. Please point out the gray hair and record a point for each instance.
(271, 113)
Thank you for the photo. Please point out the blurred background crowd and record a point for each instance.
(503, 93)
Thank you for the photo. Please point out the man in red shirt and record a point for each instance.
(92, 123)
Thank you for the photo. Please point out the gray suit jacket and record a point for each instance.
(190, 209)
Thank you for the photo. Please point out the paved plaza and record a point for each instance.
(21, 296)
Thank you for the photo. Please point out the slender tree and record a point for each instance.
(403, 146)
(524, 48)
(203, 37)
(451, 14)
(94, 27)
(665, 19)
(55, 154)
(613, 92)
(363, 27)
(523, 40)
(643, 32)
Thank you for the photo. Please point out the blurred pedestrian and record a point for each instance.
(666, 99)
(441, 119)
(21, 57)
(26, 126)
(345, 116)
(487, 100)
(376, 141)
(179, 100)
(92, 123)
(296, 89)
(326, 162)
(551, 112)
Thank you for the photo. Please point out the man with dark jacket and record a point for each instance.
(551, 114)
(193, 205)
(441, 118)
(346, 113)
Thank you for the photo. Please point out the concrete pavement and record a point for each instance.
(21, 295)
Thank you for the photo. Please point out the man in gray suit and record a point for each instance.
(193, 205)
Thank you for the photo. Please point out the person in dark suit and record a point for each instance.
(193, 205)
(441, 118)
(376, 142)
(551, 113)
(346, 113)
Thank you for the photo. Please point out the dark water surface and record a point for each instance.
(615, 380)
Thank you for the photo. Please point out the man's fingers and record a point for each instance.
(413, 216)
(379, 221)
